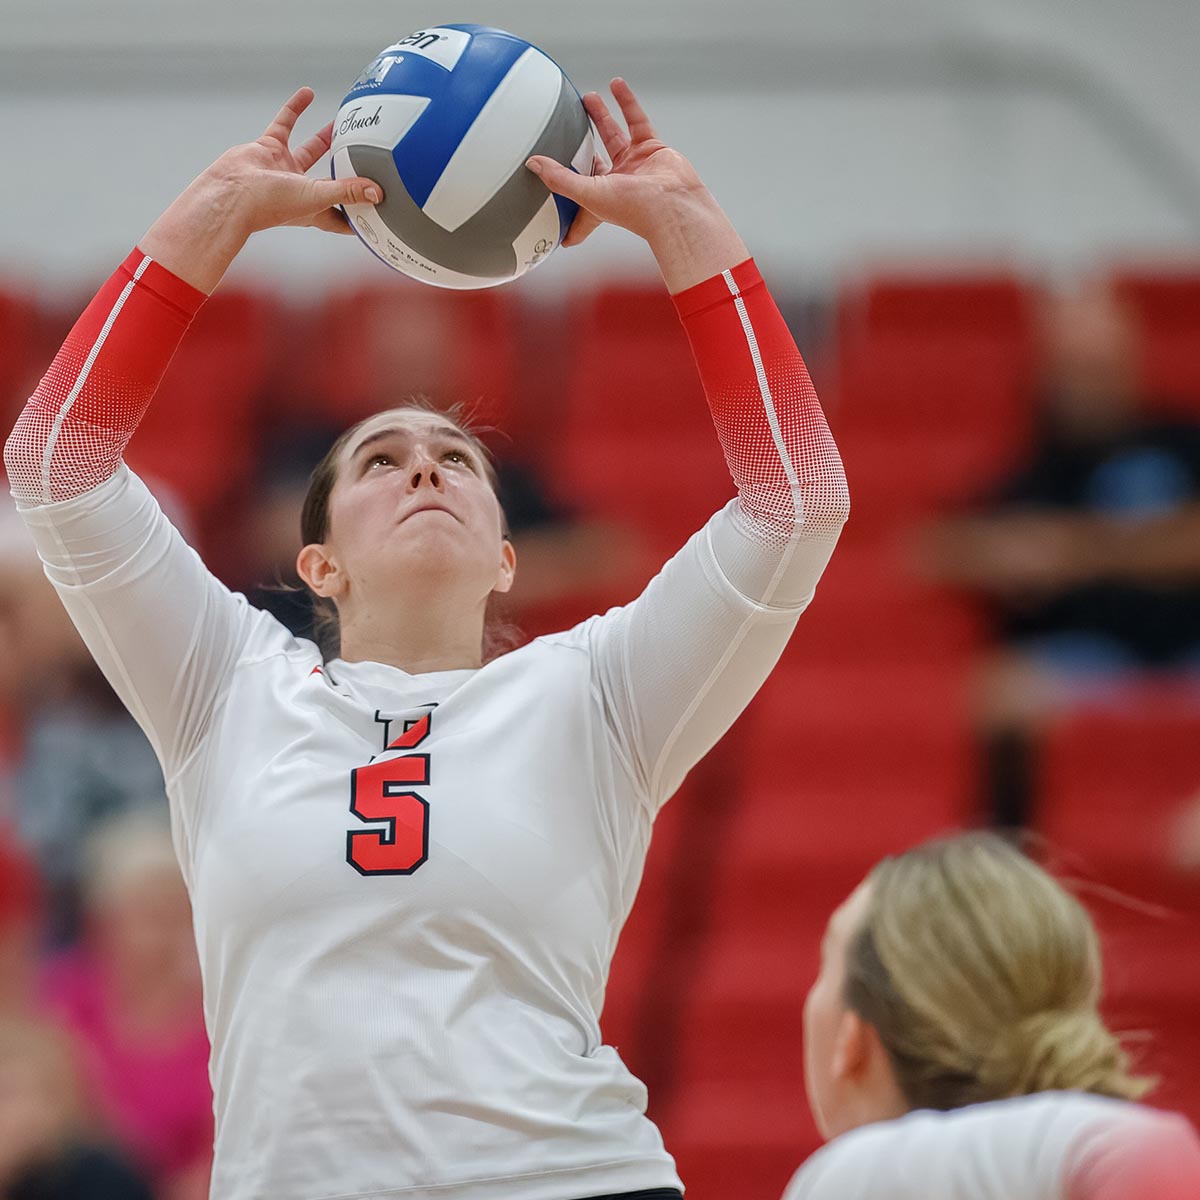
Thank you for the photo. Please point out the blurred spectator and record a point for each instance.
(131, 994)
(20, 913)
(1090, 552)
(48, 1148)
(80, 757)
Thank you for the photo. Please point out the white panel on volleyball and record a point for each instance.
(499, 141)
(538, 238)
(591, 149)
(376, 120)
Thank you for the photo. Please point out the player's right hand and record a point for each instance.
(269, 181)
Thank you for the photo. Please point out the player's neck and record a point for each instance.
(436, 638)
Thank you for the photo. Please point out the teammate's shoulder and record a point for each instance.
(1026, 1140)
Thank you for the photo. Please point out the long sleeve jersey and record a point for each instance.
(407, 888)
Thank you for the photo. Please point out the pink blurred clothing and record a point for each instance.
(154, 1093)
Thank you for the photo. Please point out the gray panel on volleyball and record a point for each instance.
(482, 245)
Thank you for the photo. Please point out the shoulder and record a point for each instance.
(268, 638)
(988, 1151)
(1137, 1153)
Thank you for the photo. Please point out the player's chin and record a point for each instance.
(436, 546)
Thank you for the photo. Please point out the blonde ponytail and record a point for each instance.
(1050, 1051)
(981, 975)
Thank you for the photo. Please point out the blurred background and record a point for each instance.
(983, 224)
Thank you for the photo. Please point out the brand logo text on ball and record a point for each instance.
(353, 121)
(421, 40)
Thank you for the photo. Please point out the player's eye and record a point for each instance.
(375, 459)
(459, 456)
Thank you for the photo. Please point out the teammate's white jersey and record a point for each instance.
(1049, 1146)
(408, 888)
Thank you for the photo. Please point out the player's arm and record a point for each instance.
(161, 627)
(680, 663)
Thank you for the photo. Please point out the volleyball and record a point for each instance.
(444, 120)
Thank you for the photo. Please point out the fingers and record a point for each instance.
(584, 224)
(285, 120)
(560, 179)
(640, 129)
(581, 228)
(313, 149)
(354, 189)
(611, 134)
(333, 220)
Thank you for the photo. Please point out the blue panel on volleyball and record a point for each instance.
(567, 210)
(454, 103)
(445, 119)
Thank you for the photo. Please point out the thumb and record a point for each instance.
(354, 189)
(562, 180)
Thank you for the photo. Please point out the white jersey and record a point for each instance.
(1049, 1146)
(407, 889)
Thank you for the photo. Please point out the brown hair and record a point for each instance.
(982, 976)
(499, 635)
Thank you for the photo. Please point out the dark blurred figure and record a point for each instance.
(49, 1147)
(78, 757)
(130, 994)
(1089, 553)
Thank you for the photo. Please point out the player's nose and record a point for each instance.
(425, 473)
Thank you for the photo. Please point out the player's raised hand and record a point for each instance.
(651, 190)
(272, 180)
(251, 187)
(645, 171)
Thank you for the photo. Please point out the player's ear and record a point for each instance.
(508, 566)
(853, 1046)
(318, 571)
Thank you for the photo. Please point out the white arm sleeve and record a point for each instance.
(163, 630)
(677, 666)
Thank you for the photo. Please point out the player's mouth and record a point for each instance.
(427, 508)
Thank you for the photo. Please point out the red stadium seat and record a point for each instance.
(988, 305)
(20, 362)
(1149, 925)
(846, 740)
(1114, 781)
(739, 1140)
(872, 607)
(1167, 305)
(1113, 785)
(932, 397)
(637, 440)
(378, 345)
(201, 433)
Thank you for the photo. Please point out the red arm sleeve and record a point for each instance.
(777, 444)
(678, 664)
(72, 433)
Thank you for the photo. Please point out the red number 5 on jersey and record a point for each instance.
(379, 792)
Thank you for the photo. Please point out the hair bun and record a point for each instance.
(1057, 1050)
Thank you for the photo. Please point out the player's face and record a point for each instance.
(827, 1020)
(413, 506)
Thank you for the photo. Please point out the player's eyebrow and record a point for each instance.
(380, 435)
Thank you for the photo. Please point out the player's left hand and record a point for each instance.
(645, 178)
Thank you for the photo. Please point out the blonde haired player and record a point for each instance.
(409, 868)
(953, 1047)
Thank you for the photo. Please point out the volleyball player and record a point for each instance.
(409, 866)
(953, 1047)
